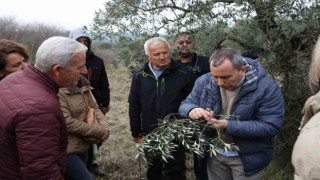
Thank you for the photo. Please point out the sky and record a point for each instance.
(68, 14)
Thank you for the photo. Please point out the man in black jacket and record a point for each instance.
(99, 81)
(156, 91)
(184, 44)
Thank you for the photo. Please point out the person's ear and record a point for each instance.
(193, 45)
(56, 69)
(147, 56)
(243, 69)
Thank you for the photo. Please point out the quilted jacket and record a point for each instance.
(33, 136)
(74, 110)
(259, 107)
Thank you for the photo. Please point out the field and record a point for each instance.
(117, 155)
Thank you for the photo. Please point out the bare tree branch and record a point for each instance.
(174, 6)
(163, 7)
(223, 1)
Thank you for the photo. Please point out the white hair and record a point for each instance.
(154, 40)
(57, 50)
(314, 70)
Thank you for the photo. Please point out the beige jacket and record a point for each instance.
(74, 109)
(305, 155)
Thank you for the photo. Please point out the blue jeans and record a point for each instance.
(76, 167)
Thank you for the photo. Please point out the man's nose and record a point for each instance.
(84, 70)
(220, 81)
(162, 56)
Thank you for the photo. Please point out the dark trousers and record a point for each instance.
(200, 167)
(174, 169)
(91, 156)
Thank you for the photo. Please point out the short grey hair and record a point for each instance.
(57, 50)
(154, 40)
(220, 55)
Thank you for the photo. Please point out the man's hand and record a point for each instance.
(104, 110)
(138, 140)
(198, 113)
(215, 123)
(105, 135)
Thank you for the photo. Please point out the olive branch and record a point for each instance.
(190, 133)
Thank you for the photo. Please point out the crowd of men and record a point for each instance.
(53, 112)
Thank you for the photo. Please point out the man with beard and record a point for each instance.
(184, 44)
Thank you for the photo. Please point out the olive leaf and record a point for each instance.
(172, 132)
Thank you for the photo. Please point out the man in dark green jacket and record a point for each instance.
(157, 91)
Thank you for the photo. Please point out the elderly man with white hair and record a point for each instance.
(157, 90)
(33, 134)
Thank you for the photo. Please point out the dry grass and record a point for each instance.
(117, 155)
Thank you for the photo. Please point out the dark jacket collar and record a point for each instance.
(173, 65)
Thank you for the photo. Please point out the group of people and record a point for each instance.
(53, 116)
(53, 112)
(228, 84)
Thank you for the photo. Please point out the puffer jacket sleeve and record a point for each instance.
(135, 107)
(78, 126)
(104, 85)
(269, 114)
(193, 99)
(38, 143)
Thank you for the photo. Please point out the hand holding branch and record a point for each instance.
(198, 113)
(221, 123)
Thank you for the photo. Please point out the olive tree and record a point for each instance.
(285, 31)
